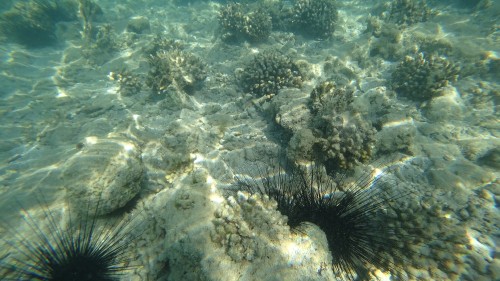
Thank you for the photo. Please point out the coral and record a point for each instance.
(342, 143)
(315, 18)
(89, 11)
(33, 23)
(340, 139)
(238, 223)
(128, 83)
(328, 95)
(238, 23)
(422, 76)
(105, 39)
(280, 13)
(408, 12)
(324, 128)
(269, 72)
(163, 44)
(100, 48)
(433, 43)
(175, 67)
(387, 45)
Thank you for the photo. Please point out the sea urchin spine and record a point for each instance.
(83, 250)
(351, 215)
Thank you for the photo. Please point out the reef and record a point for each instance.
(315, 18)
(420, 77)
(269, 72)
(357, 233)
(33, 23)
(328, 94)
(239, 23)
(175, 67)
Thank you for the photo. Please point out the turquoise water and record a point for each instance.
(155, 106)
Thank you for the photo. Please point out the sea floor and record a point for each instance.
(68, 130)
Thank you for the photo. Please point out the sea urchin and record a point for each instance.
(359, 235)
(82, 250)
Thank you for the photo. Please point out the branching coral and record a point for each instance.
(329, 95)
(175, 67)
(315, 18)
(128, 83)
(408, 12)
(333, 134)
(238, 23)
(342, 143)
(420, 77)
(269, 72)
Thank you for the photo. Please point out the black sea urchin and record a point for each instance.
(350, 213)
(82, 250)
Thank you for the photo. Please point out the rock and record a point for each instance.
(445, 107)
(138, 25)
(491, 158)
(396, 138)
(107, 172)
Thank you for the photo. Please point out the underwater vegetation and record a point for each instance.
(100, 48)
(89, 11)
(80, 249)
